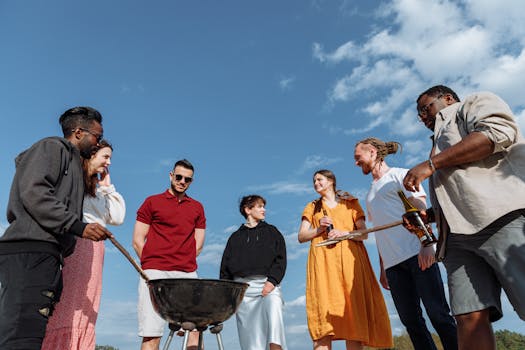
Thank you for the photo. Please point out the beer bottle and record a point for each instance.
(330, 227)
(422, 231)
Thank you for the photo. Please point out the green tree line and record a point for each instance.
(505, 340)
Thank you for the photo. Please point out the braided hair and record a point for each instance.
(383, 148)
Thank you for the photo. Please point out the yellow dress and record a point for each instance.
(343, 298)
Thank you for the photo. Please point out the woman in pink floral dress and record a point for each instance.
(72, 326)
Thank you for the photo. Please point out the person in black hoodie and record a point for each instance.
(256, 254)
(44, 214)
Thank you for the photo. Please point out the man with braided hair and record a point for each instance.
(408, 269)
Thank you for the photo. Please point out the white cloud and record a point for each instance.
(230, 229)
(316, 161)
(521, 120)
(212, 254)
(347, 51)
(502, 77)
(119, 320)
(294, 249)
(126, 88)
(286, 83)
(283, 187)
(299, 301)
(297, 329)
(416, 151)
(469, 46)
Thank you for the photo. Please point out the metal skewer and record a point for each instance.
(357, 233)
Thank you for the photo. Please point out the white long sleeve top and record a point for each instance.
(107, 207)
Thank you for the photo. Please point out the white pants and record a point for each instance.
(150, 322)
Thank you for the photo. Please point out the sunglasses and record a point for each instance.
(99, 137)
(179, 177)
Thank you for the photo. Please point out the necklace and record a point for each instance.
(250, 224)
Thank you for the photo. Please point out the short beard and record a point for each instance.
(175, 191)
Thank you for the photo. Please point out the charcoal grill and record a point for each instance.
(192, 304)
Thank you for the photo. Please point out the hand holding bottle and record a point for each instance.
(326, 224)
(413, 222)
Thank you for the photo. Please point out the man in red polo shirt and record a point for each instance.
(168, 236)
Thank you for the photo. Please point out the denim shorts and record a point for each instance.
(481, 264)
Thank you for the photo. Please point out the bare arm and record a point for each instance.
(475, 146)
(361, 225)
(140, 231)
(382, 277)
(307, 232)
(199, 239)
(419, 202)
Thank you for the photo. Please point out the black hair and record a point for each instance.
(78, 117)
(249, 202)
(437, 90)
(184, 163)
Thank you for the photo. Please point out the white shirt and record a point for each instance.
(384, 206)
(107, 207)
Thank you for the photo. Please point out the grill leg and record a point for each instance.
(219, 341)
(168, 341)
(185, 341)
(217, 331)
(200, 341)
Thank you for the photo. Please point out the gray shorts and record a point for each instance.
(480, 265)
(150, 323)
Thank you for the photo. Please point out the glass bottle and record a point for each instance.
(422, 230)
(330, 227)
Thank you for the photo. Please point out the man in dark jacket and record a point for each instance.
(44, 214)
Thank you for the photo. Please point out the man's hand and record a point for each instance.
(267, 289)
(96, 232)
(426, 257)
(416, 176)
(412, 226)
(383, 280)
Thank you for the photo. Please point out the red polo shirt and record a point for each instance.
(170, 243)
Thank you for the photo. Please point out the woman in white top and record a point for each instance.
(72, 325)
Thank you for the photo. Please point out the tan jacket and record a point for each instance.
(473, 195)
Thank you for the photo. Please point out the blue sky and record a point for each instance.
(258, 95)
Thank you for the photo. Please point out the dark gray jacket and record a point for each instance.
(45, 203)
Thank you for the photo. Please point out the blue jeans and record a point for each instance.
(409, 285)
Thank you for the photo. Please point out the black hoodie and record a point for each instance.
(45, 202)
(260, 250)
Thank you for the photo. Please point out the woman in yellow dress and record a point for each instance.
(343, 298)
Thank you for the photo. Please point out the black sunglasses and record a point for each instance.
(179, 177)
(99, 137)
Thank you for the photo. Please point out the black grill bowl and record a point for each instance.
(203, 302)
